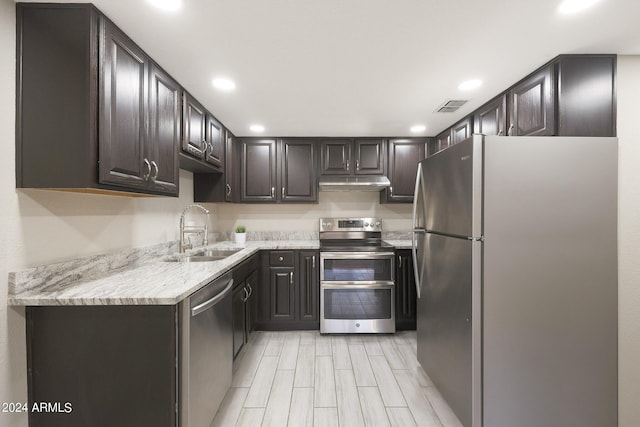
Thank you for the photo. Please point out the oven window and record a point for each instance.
(357, 270)
(357, 303)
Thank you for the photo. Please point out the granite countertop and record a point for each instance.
(152, 282)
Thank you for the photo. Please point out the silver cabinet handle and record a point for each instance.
(357, 165)
(501, 132)
(510, 131)
(313, 261)
(205, 145)
(283, 192)
(291, 278)
(399, 261)
(228, 190)
(281, 259)
(147, 165)
(347, 164)
(246, 295)
(391, 191)
(250, 290)
(154, 165)
(273, 192)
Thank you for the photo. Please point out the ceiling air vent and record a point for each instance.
(451, 105)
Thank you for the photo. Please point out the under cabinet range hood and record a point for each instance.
(354, 183)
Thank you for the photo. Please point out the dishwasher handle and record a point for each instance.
(212, 301)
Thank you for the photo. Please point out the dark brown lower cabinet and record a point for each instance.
(405, 291)
(103, 366)
(289, 294)
(243, 302)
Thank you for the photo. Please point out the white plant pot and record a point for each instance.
(241, 238)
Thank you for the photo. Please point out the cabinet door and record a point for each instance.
(461, 130)
(281, 292)
(532, 106)
(238, 318)
(490, 119)
(405, 291)
(231, 169)
(258, 170)
(193, 127)
(308, 285)
(336, 156)
(443, 140)
(214, 152)
(297, 171)
(369, 156)
(404, 155)
(586, 95)
(251, 306)
(123, 101)
(164, 131)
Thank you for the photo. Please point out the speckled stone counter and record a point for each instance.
(137, 276)
(155, 282)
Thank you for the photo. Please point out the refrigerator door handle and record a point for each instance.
(417, 199)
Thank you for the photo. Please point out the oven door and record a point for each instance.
(357, 267)
(357, 308)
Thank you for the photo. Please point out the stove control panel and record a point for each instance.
(350, 224)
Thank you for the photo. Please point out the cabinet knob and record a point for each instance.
(281, 258)
(228, 190)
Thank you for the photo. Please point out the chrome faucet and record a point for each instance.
(192, 229)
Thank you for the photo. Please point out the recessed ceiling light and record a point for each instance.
(256, 128)
(470, 84)
(568, 7)
(224, 84)
(418, 128)
(170, 5)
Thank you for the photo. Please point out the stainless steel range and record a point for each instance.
(357, 289)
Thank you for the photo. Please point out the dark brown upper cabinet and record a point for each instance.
(369, 157)
(336, 156)
(277, 171)
(164, 129)
(123, 78)
(297, 170)
(443, 140)
(214, 144)
(404, 155)
(218, 187)
(461, 130)
(85, 106)
(362, 156)
(194, 127)
(586, 95)
(532, 106)
(491, 119)
(258, 170)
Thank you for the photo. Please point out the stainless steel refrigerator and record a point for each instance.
(515, 255)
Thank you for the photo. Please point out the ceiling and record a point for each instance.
(362, 67)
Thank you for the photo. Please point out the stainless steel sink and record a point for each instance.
(216, 253)
(205, 256)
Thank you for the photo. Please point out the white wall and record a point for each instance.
(304, 217)
(39, 227)
(629, 240)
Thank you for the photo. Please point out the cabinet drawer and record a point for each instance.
(281, 258)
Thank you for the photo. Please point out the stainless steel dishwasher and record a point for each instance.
(206, 352)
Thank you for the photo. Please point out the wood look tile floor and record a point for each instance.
(302, 378)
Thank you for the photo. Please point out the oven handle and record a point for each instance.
(357, 285)
(356, 255)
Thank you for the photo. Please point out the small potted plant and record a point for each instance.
(241, 235)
